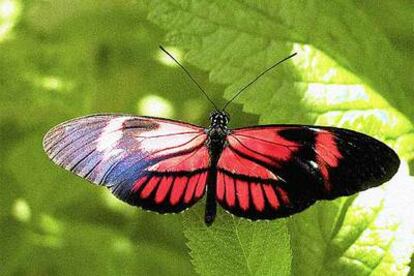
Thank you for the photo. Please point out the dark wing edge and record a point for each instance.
(145, 161)
(283, 169)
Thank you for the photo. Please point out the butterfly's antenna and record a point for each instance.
(258, 77)
(189, 75)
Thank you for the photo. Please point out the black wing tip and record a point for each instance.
(374, 164)
(394, 163)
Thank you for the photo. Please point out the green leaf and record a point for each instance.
(336, 79)
(237, 247)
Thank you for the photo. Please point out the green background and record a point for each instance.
(64, 59)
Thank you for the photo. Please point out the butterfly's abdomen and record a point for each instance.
(215, 143)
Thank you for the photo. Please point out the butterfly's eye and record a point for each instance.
(212, 115)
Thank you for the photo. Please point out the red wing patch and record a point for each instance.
(230, 190)
(243, 193)
(178, 190)
(231, 161)
(263, 145)
(327, 155)
(168, 193)
(251, 198)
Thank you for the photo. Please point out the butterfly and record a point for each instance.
(257, 172)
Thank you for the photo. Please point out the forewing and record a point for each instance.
(158, 164)
(274, 171)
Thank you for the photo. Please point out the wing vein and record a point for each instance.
(53, 136)
(252, 150)
(166, 135)
(261, 140)
(81, 160)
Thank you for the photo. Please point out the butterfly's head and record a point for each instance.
(219, 119)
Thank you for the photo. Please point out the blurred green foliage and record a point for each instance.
(63, 59)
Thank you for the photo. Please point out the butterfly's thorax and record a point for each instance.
(217, 133)
(216, 141)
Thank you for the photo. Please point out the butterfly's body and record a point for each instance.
(216, 133)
